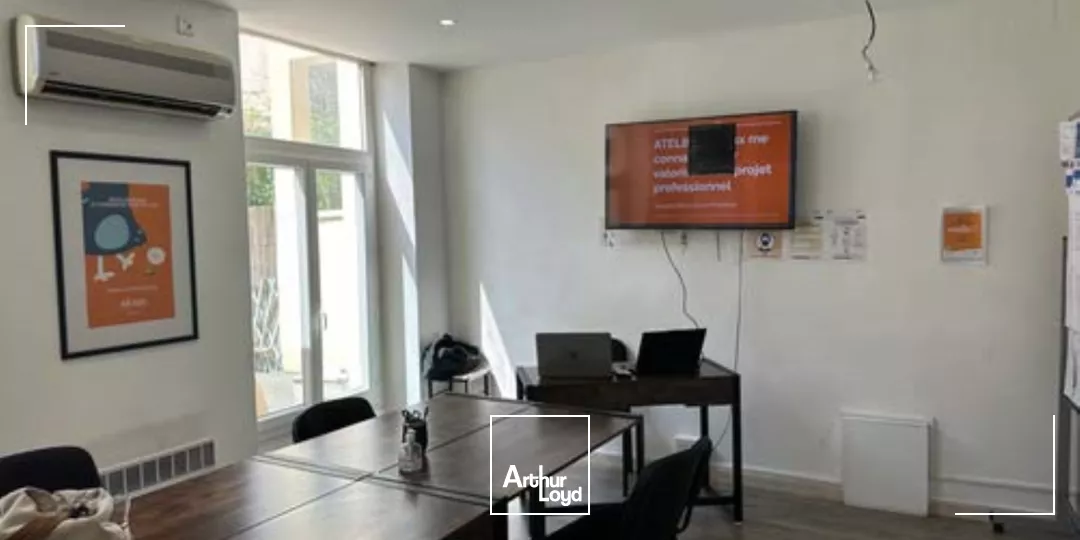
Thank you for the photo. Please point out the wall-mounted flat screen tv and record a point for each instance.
(720, 172)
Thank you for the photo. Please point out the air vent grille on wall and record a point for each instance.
(158, 470)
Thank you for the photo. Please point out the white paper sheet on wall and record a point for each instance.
(808, 238)
(1072, 266)
(1071, 384)
(1070, 140)
(847, 237)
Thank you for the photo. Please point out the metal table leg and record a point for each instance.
(736, 458)
(639, 450)
(536, 523)
(703, 428)
(500, 524)
(735, 498)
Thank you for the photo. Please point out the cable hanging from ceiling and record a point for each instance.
(871, 70)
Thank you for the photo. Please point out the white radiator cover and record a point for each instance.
(886, 462)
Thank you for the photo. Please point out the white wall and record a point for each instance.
(125, 405)
(966, 113)
(426, 100)
(412, 234)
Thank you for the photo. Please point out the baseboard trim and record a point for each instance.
(998, 484)
(943, 508)
(831, 489)
(759, 478)
(789, 482)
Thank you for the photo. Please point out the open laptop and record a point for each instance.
(675, 353)
(574, 356)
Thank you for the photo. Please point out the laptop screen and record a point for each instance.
(672, 352)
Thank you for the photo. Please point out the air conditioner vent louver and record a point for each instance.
(120, 97)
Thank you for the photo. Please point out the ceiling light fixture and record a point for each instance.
(447, 22)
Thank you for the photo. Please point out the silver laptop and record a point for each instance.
(577, 356)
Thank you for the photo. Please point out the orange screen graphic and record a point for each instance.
(650, 183)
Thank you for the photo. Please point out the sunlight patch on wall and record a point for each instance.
(491, 342)
(399, 179)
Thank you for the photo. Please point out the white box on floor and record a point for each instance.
(886, 462)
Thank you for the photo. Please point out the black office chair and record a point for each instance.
(696, 485)
(330, 416)
(653, 510)
(51, 469)
(619, 351)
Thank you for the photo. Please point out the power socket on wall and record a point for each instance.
(184, 27)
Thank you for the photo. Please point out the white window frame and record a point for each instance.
(307, 158)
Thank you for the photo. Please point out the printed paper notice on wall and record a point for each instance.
(808, 238)
(1072, 266)
(847, 237)
(963, 235)
(1071, 384)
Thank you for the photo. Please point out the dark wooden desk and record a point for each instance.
(225, 502)
(373, 445)
(376, 510)
(716, 385)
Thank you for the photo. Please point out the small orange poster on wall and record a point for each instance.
(963, 235)
(127, 230)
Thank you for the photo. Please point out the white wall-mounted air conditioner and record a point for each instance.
(102, 67)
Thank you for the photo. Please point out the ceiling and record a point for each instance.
(499, 31)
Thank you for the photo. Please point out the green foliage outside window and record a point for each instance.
(325, 129)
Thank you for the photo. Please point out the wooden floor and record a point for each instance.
(779, 516)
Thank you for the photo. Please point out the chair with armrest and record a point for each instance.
(330, 416)
(51, 469)
(656, 505)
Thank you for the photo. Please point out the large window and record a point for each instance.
(294, 94)
(310, 225)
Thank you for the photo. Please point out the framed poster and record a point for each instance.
(125, 256)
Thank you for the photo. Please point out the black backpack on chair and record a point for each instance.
(447, 357)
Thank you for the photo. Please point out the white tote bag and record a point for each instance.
(35, 514)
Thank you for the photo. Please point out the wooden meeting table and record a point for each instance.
(345, 485)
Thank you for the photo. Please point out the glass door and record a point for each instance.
(310, 232)
(278, 248)
(343, 278)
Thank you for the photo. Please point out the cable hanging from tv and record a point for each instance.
(871, 70)
(682, 282)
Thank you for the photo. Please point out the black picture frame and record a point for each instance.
(70, 350)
